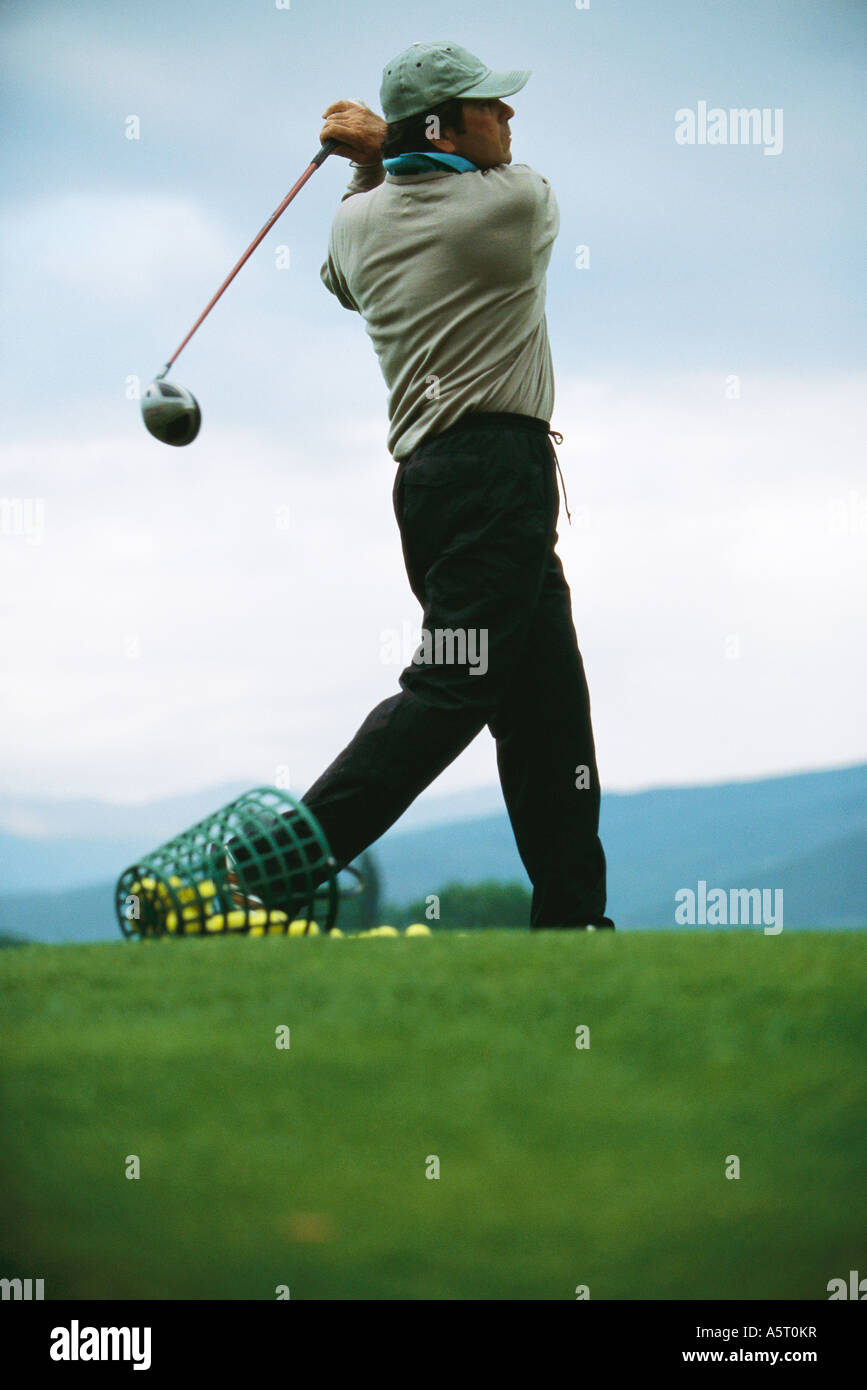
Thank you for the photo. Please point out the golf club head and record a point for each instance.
(171, 413)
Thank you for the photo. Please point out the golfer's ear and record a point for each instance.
(444, 144)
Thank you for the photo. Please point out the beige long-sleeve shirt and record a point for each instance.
(448, 272)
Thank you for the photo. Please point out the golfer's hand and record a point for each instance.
(359, 130)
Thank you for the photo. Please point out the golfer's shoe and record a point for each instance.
(245, 901)
(601, 924)
(272, 896)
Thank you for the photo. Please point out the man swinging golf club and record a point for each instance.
(441, 244)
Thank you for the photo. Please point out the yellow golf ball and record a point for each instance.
(302, 928)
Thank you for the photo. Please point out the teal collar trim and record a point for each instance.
(420, 163)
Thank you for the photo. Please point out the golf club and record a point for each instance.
(171, 413)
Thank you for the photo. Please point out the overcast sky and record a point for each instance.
(175, 618)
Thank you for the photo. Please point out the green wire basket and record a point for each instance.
(264, 846)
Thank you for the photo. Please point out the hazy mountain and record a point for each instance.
(805, 834)
(42, 819)
(47, 845)
(78, 914)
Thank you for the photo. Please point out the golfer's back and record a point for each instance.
(448, 272)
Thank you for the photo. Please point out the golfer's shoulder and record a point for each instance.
(358, 205)
(354, 220)
(518, 187)
(514, 193)
(517, 177)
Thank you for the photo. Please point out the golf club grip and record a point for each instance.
(314, 164)
(325, 151)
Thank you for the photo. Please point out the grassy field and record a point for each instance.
(559, 1166)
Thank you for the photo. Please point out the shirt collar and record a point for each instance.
(420, 162)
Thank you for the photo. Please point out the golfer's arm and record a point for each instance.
(364, 178)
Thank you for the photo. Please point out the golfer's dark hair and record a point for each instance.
(411, 135)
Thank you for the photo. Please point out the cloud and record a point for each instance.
(196, 616)
(94, 64)
(103, 249)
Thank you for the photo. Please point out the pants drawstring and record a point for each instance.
(555, 434)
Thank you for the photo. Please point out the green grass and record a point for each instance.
(559, 1166)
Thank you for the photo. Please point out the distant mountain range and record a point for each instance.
(805, 834)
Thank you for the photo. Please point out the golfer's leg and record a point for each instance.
(403, 744)
(474, 515)
(547, 762)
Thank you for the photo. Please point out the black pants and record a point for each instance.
(477, 509)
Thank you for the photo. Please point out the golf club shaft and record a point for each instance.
(318, 159)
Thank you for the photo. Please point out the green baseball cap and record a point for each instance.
(429, 73)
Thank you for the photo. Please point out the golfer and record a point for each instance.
(441, 244)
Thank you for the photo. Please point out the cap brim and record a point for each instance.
(496, 84)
